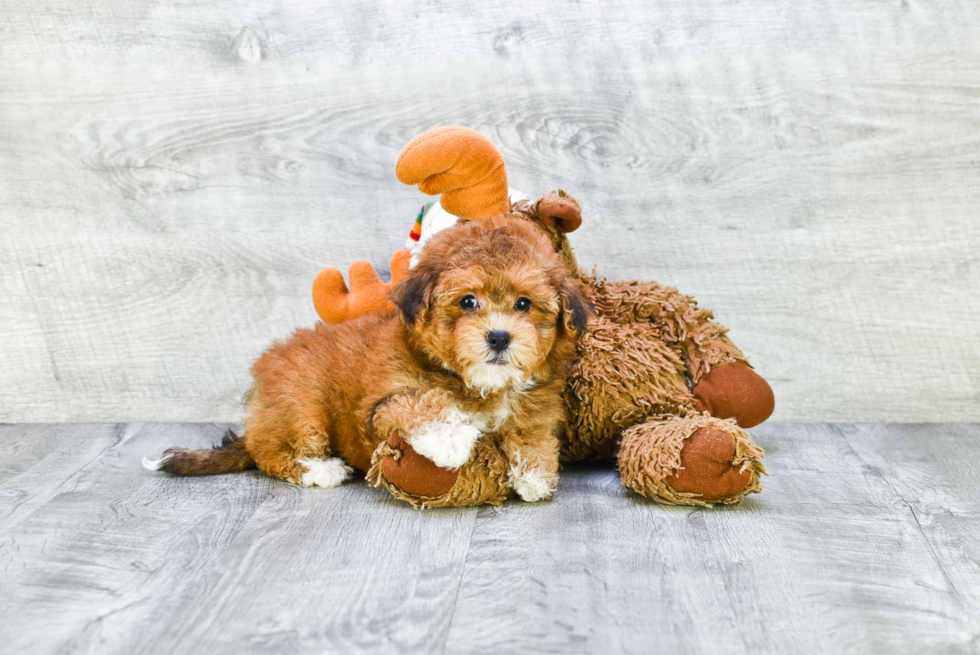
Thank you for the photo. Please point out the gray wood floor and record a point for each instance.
(867, 539)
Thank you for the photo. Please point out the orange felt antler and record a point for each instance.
(367, 294)
(462, 165)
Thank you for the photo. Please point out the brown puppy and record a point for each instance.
(479, 350)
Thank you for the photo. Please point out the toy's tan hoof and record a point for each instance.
(734, 390)
(706, 466)
(414, 474)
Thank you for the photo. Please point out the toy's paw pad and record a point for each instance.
(734, 390)
(706, 466)
(532, 485)
(414, 474)
(325, 472)
(448, 444)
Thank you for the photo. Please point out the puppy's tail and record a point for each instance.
(228, 457)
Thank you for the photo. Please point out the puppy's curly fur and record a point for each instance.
(479, 349)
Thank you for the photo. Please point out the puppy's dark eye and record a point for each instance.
(469, 303)
(523, 304)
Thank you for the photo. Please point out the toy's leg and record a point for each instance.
(415, 479)
(623, 375)
(724, 384)
(692, 460)
(734, 390)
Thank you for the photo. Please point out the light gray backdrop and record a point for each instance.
(173, 175)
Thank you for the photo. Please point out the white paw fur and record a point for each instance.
(449, 444)
(531, 485)
(324, 472)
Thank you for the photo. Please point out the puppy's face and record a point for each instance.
(493, 325)
(491, 301)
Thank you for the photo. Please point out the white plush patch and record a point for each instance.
(152, 464)
(325, 472)
(448, 443)
(531, 485)
(435, 221)
(438, 219)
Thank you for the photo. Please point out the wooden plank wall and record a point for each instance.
(173, 174)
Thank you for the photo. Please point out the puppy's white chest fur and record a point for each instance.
(494, 418)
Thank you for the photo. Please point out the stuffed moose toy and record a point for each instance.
(657, 386)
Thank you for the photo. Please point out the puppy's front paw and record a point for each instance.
(532, 485)
(448, 444)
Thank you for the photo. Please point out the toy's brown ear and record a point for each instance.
(462, 165)
(560, 211)
(413, 295)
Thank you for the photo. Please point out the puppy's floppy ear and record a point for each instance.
(576, 309)
(413, 295)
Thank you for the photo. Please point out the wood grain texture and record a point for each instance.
(864, 541)
(172, 177)
(837, 555)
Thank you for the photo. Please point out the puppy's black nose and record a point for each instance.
(498, 340)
